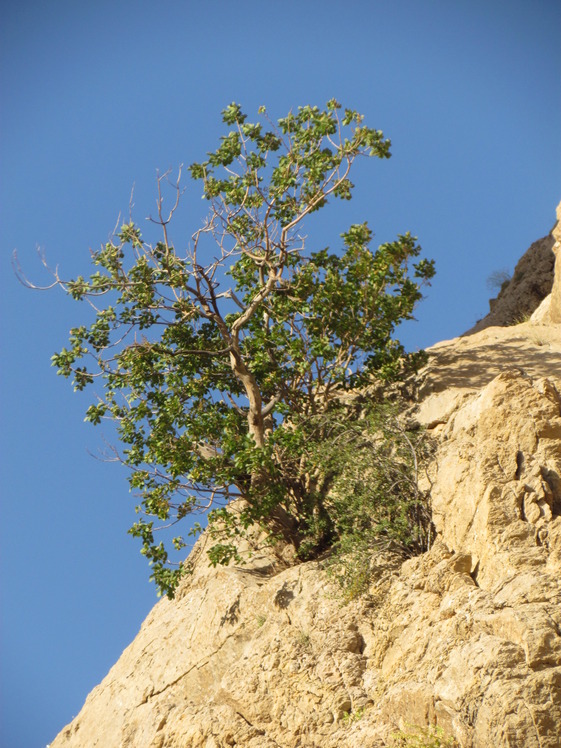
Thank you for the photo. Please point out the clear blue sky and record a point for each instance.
(98, 95)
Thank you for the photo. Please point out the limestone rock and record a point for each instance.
(466, 636)
(555, 304)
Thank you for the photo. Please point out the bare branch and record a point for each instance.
(23, 279)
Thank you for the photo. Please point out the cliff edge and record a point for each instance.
(466, 636)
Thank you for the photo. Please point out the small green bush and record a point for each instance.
(304, 639)
(379, 514)
(422, 737)
(350, 718)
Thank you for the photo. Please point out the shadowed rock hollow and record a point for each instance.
(466, 636)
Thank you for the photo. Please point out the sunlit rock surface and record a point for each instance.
(467, 636)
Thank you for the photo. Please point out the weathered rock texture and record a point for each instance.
(555, 308)
(467, 636)
(530, 284)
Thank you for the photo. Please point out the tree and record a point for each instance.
(218, 363)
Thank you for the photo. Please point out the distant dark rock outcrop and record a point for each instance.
(531, 283)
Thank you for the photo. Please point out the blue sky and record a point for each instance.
(95, 98)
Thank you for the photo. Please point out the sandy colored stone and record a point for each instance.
(466, 636)
(459, 367)
(555, 303)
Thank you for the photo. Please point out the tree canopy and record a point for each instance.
(221, 363)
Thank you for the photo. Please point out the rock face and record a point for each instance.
(531, 283)
(555, 310)
(466, 636)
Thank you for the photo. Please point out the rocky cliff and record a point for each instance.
(466, 636)
(532, 281)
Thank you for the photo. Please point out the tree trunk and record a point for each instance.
(255, 415)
